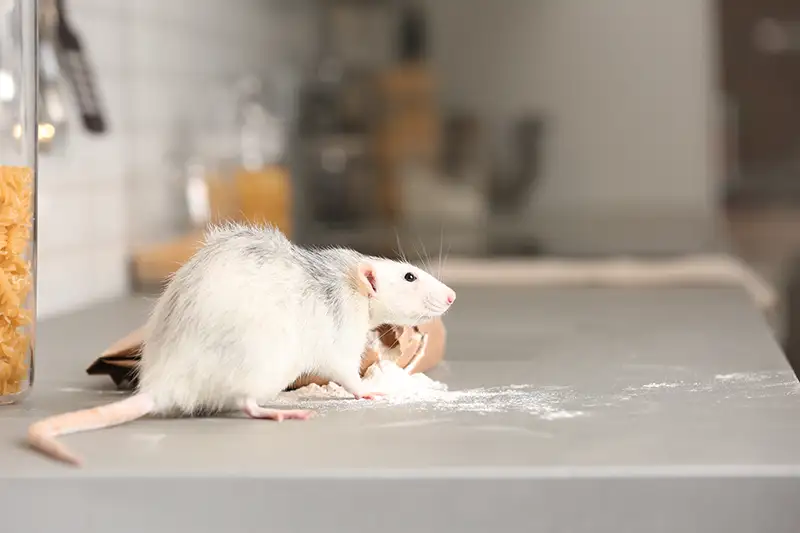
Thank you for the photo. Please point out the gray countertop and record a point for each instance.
(565, 406)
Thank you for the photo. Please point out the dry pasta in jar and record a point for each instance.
(16, 279)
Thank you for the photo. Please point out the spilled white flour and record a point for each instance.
(744, 385)
(660, 385)
(742, 377)
(418, 392)
(383, 376)
(421, 393)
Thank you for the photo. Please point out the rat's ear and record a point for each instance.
(365, 279)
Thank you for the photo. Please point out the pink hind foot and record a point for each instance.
(253, 410)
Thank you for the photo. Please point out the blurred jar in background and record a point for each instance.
(18, 177)
(261, 182)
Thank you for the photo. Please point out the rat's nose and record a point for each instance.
(451, 297)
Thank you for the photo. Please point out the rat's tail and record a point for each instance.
(42, 435)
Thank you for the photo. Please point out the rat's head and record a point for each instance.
(402, 294)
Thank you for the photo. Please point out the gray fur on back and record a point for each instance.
(328, 271)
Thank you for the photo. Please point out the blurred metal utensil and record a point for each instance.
(76, 67)
(52, 109)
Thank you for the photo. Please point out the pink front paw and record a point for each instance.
(368, 395)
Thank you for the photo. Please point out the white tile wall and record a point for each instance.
(159, 64)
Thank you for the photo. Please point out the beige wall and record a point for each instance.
(628, 83)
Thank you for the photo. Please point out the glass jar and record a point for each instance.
(19, 134)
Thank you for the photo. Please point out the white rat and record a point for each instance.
(248, 314)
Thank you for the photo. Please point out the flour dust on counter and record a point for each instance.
(735, 385)
(419, 392)
(552, 402)
(546, 402)
(660, 385)
(750, 377)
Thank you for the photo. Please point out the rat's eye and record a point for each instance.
(409, 277)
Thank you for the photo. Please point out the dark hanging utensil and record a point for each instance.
(76, 68)
(413, 34)
(510, 190)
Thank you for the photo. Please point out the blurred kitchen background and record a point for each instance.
(474, 128)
